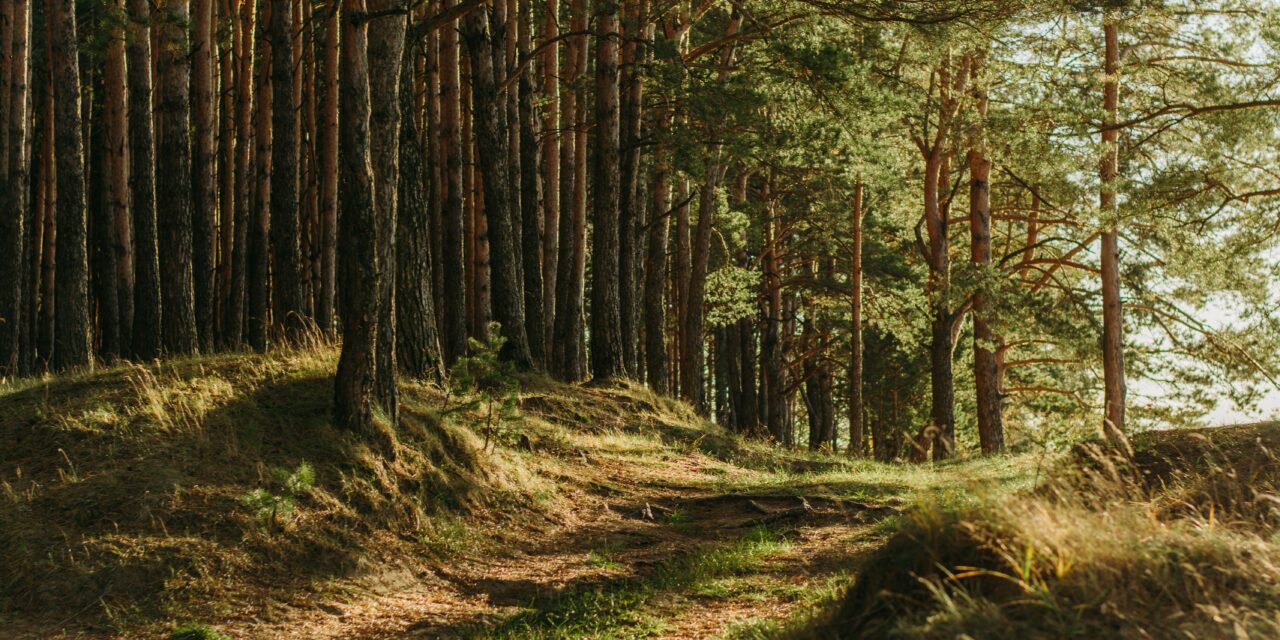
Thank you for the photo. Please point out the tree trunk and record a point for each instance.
(631, 201)
(655, 276)
(531, 205)
(234, 322)
(454, 330)
(550, 94)
(567, 356)
(774, 382)
(417, 344)
(1112, 306)
(484, 45)
(72, 327)
(116, 181)
(606, 331)
(386, 45)
(357, 235)
(13, 196)
(47, 186)
(328, 161)
(286, 278)
(680, 280)
(857, 416)
(103, 239)
(228, 147)
(258, 255)
(204, 179)
(986, 378)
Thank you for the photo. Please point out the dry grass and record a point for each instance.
(141, 495)
(123, 492)
(1177, 542)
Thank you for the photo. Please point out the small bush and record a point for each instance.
(196, 632)
(491, 381)
(270, 508)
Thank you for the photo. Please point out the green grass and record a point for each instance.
(622, 609)
(1177, 541)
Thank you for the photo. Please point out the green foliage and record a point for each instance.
(196, 632)
(493, 388)
(731, 295)
(270, 508)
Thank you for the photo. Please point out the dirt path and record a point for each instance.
(621, 564)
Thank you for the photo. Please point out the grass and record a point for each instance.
(1176, 541)
(216, 487)
(185, 488)
(199, 488)
(623, 609)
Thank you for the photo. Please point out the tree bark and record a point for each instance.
(386, 46)
(418, 346)
(258, 291)
(655, 276)
(773, 380)
(285, 227)
(484, 44)
(857, 417)
(228, 58)
(985, 372)
(1112, 305)
(550, 93)
(631, 202)
(567, 356)
(607, 355)
(454, 330)
(116, 180)
(234, 322)
(531, 205)
(72, 327)
(357, 237)
(13, 197)
(328, 161)
(105, 306)
(204, 178)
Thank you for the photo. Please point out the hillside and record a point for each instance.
(215, 491)
(213, 496)
(1177, 542)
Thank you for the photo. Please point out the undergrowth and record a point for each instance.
(1176, 541)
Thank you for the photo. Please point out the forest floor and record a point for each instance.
(603, 513)
(661, 541)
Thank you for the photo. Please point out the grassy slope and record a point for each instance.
(1177, 542)
(123, 505)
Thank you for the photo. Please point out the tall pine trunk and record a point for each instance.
(13, 195)
(204, 177)
(655, 275)
(567, 357)
(857, 416)
(417, 344)
(386, 46)
(257, 252)
(482, 33)
(1112, 306)
(454, 331)
(550, 93)
(531, 205)
(328, 162)
(607, 351)
(234, 320)
(72, 326)
(985, 371)
(357, 235)
(116, 180)
(286, 267)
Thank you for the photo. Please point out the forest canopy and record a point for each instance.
(886, 228)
